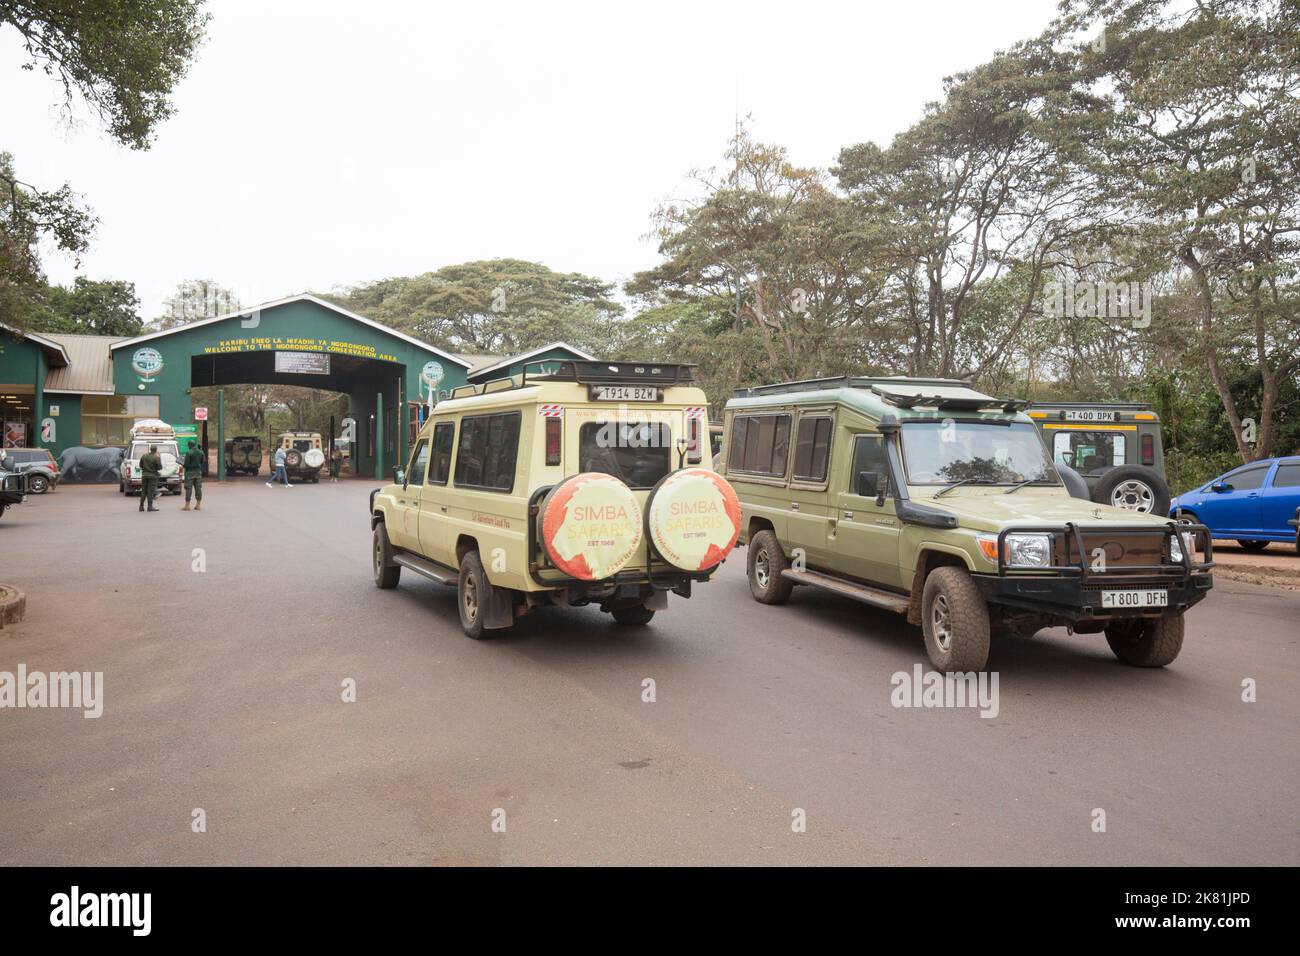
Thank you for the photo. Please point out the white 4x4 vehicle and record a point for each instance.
(145, 433)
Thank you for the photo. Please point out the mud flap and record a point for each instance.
(497, 607)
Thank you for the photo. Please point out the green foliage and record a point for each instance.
(91, 307)
(122, 57)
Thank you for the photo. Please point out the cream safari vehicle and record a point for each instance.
(583, 483)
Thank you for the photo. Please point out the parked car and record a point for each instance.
(1115, 446)
(586, 484)
(929, 499)
(13, 488)
(37, 463)
(1253, 505)
(144, 433)
(243, 455)
(304, 455)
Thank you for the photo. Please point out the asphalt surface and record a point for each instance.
(223, 692)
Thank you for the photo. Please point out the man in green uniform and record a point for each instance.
(193, 476)
(150, 469)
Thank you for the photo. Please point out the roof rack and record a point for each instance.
(661, 374)
(1142, 406)
(889, 390)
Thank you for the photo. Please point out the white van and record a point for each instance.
(146, 432)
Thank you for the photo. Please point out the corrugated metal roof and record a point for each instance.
(90, 364)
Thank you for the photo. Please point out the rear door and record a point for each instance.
(1281, 498)
(812, 514)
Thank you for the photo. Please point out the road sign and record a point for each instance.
(200, 414)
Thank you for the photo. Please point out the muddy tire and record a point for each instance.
(955, 621)
(764, 564)
(386, 573)
(1148, 641)
(472, 591)
(1134, 488)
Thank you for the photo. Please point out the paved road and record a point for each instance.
(223, 692)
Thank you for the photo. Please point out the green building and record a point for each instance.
(79, 395)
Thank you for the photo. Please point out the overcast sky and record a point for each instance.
(327, 143)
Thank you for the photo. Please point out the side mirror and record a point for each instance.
(868, 485)
(399, 476)
(1219, 487)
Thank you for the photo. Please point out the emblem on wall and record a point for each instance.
(147, 363)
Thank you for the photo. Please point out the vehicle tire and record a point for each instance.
(293, 459)
(1252, 545)
(633, 616)
(1134, 488)
(955, 621)
(121, 487)
(472, 591)
(764, 564)
(38, 484)
(315, 479)
(386, 573)
(1147, 641)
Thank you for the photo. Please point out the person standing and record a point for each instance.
(336, 464)
(194, 462)
(150, 470)
(280, 472)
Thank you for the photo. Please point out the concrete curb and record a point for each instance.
(13, 605)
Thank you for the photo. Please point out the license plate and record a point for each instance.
(624, 393)
(1089, 415)
(1136, 598)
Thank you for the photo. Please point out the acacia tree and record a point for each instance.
(772, 246)
(1197, 110)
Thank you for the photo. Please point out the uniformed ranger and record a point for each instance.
(150, 469)
(193, 476)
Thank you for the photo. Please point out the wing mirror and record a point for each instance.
(399, 476)
(868, 485)
(1219, 487)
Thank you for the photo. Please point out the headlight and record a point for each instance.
(1029, 550)
(1179, 544)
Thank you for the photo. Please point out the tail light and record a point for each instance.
(1148, 449)
(693, 452)
(553, 426)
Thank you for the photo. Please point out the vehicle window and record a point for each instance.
(302, 444)
(1088, 451)
(443, 433)
(812, 448)
(1248, 479)
(636, 453)
(760, 444)
(940, 453)
(489, 448)
(869, 455)
(419, 463)
(1287, 475)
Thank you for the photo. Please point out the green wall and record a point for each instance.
(516, 367)
(67, 427)
(23, 362)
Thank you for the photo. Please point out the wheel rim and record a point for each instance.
(38, 485)
(379, 557)
(941, 623)
(762, 569)
(1133, 495)
(469, 598)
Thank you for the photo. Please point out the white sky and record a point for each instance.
(315, 146)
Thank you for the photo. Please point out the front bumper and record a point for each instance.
(1072, 599)
(173, 482)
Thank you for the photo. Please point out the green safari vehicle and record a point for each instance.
(929, 499)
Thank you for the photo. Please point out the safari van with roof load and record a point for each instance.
(572, 483)
(927, 498)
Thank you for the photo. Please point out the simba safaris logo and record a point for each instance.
(147, 363)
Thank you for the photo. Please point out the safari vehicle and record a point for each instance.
(579, 483)
(929, 499)
(303, 454)
(1115, 447)
(146, 432)
(243, 455)
(13, 488)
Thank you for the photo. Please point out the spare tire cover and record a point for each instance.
(314, 457)
(693, 517)
(591, 525)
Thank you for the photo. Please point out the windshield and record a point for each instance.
(940, 453)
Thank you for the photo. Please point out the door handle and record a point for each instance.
(848, 516)
(444, 508)
(794, 506)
